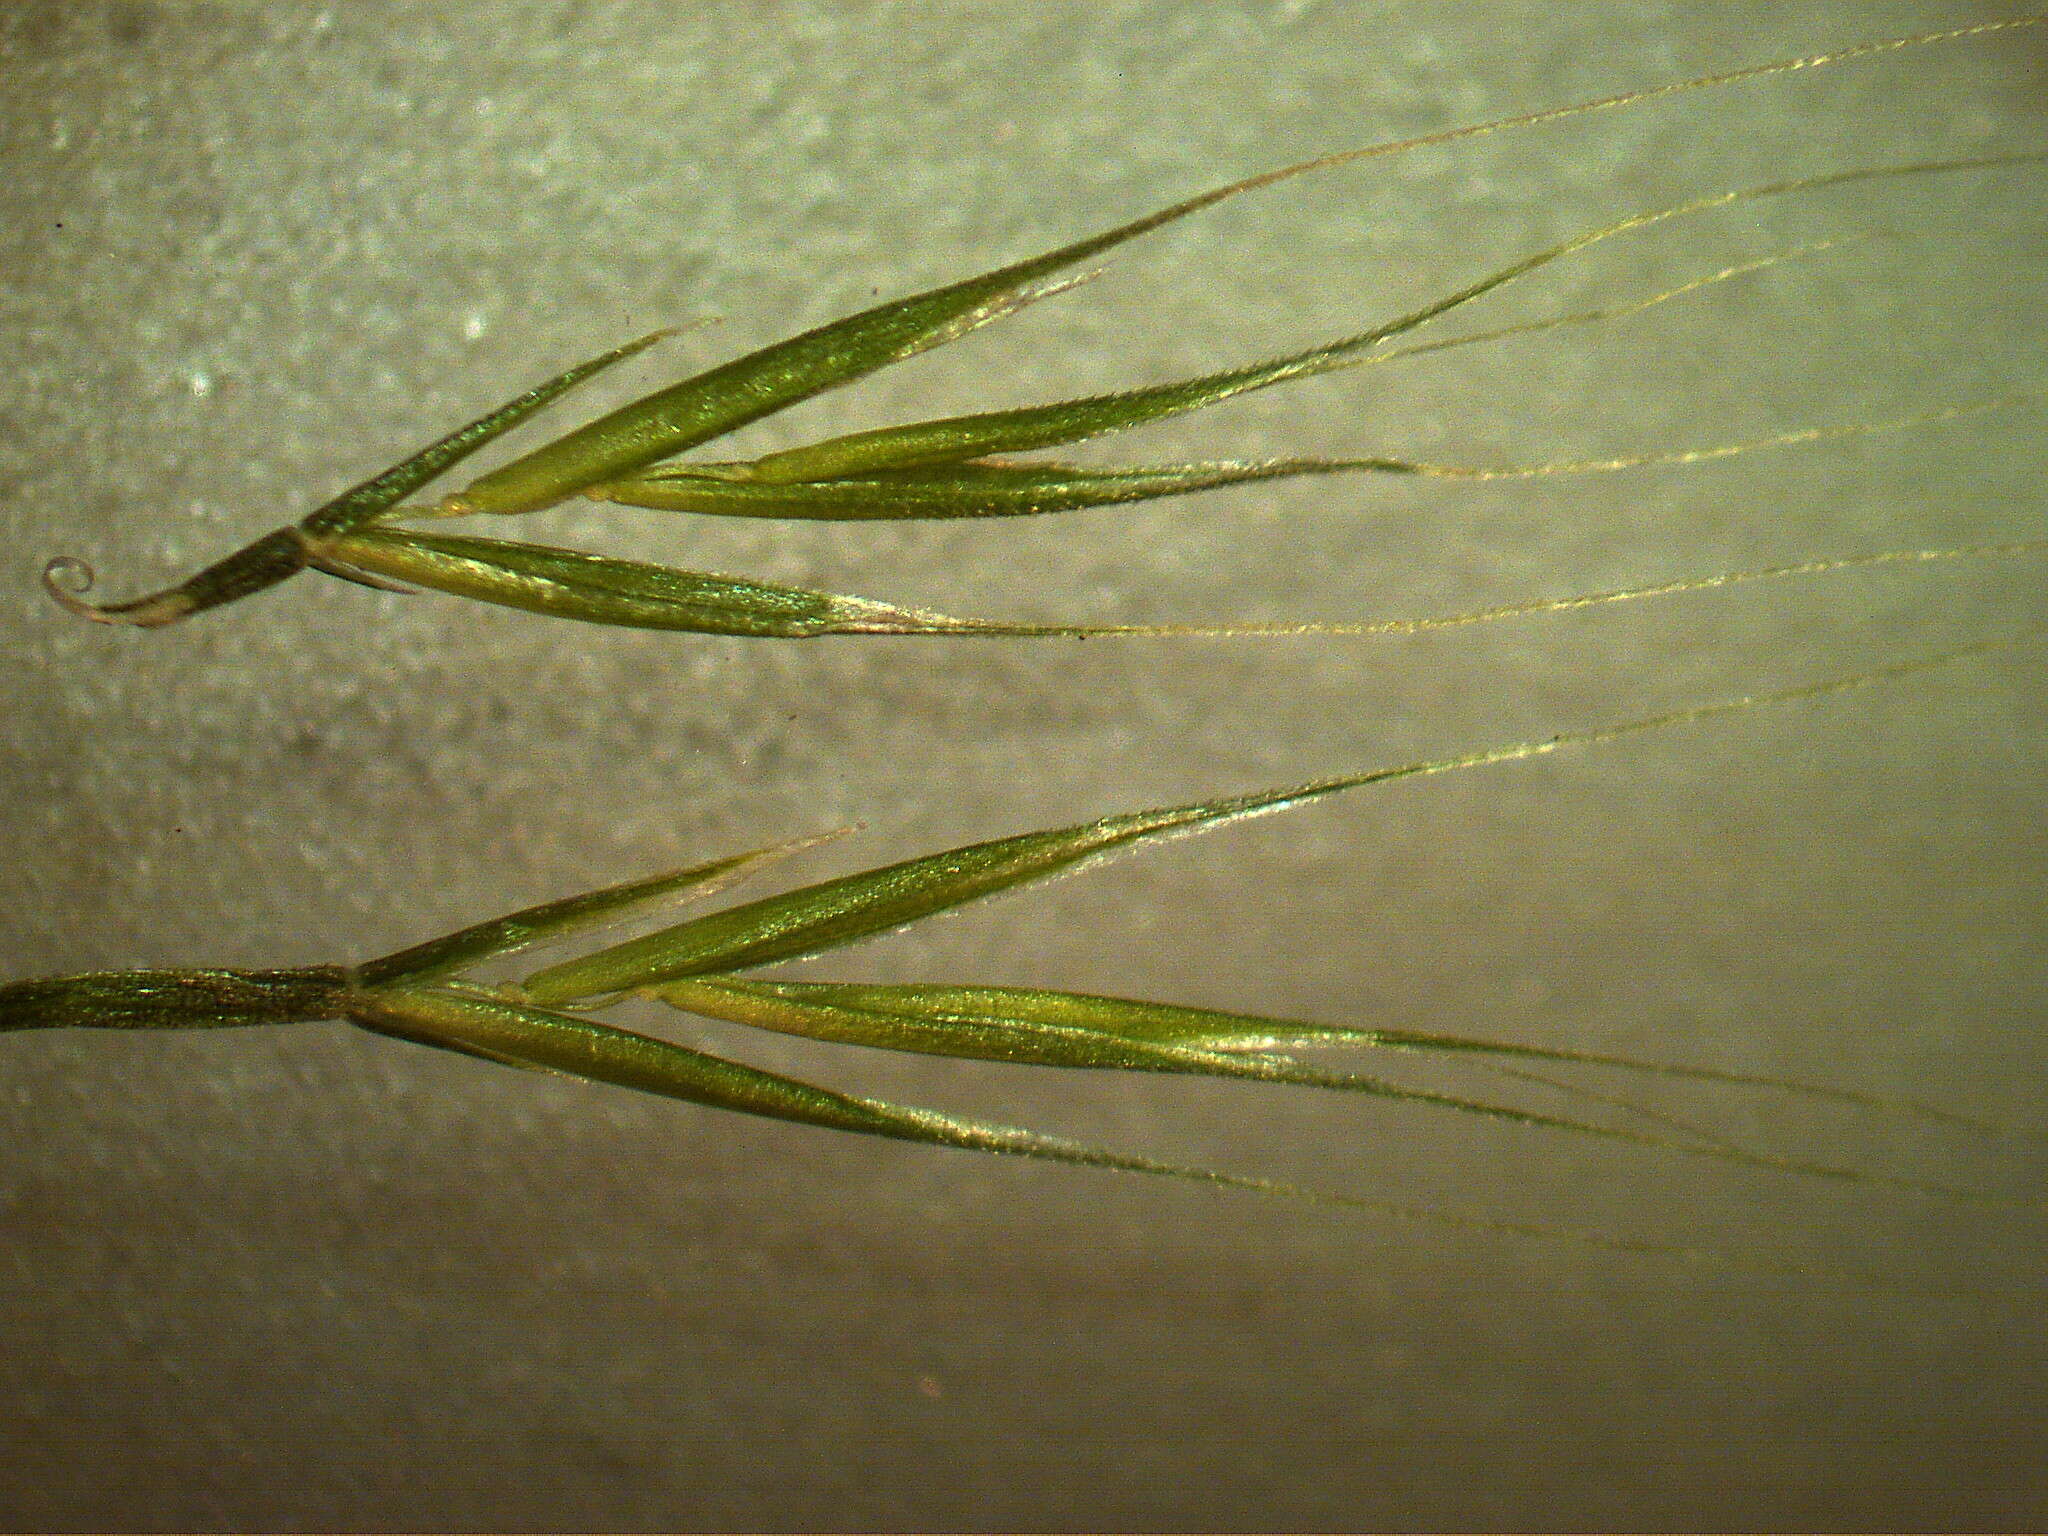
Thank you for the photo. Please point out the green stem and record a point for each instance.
(205, 999)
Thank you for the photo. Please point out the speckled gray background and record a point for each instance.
(308, 1278)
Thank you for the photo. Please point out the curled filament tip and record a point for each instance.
(67, 579)
(265, 563)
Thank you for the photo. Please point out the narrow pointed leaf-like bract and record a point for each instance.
(944, 1022)
(1025, 428)
(835, 912)
(1214, 1030)
(711, 404)
(508, 935)
(1202, 1029)
(597, 589)
(832, 913)
(956, 490)
(578, 1047)
(813, 1010)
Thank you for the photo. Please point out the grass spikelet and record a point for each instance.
(953, 466)
(427, 994)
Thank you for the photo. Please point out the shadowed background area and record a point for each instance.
(306, 1278)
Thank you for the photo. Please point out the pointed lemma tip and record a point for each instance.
(67, 579)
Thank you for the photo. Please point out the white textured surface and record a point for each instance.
(308, 1278)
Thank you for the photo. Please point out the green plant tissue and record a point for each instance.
(302, 1278)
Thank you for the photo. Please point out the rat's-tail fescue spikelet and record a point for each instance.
(943, 468)
(426, 993)
(953, 467)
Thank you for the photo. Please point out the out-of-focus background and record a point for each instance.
(307, 1278)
